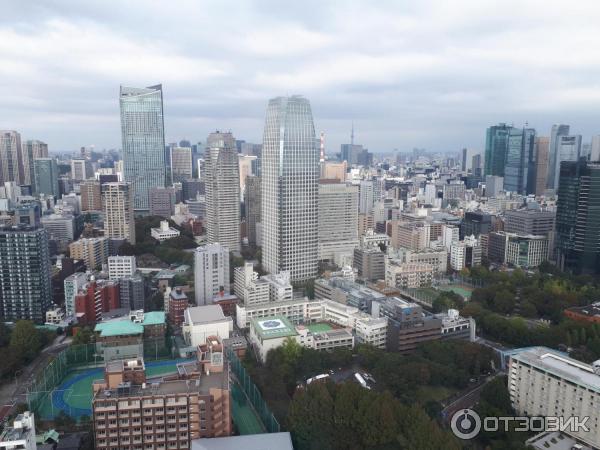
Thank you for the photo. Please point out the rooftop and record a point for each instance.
(273, 327)
(124, 326)
(204, 314)
(280, 441)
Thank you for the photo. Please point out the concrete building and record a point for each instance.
(454, 190)
(529, 221)
(450, 234)
(410, 235)
(60, 227)
(329, 340)
(121, 266)
(96, 298)
(168, 413)
(542, 150)
(408, 275)
(545, 382)
(369, 263)
(32, 150)
(333, 170)
(494, 185)
(252, 199)
(466, 253)
(222, 191)
(181, 163)
(46, 176)
(211, 272)
(366, 198)
(118, 207)
(280, 288)
(176, 303)
(526, 251)
(201, 322)
(72, 285)
(436, 257)
(296, 311)
(132, 292)
(347, 292)
(21, 435)
(81, 169)
(162, 202)
(248, 287)
(164, 232)
(143, 140)
(247, 168)
(91, 195)
(92, 251)
(11, 159)
(25, 285)
(338, 220)
(270, 333)
(290, 177)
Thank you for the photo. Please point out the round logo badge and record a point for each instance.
(465, 424)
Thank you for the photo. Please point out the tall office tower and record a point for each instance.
(366, 197)
(519, 168)
(92, 251)
(162, 202)
(81, 169)
(252, 200)
(493, 185)
(11, 157)
(542, 147)
(290, 185)
(222, 191)
(143, 135)
(476, 165)
(247, 165)
(577, 221)
(595, 149)
(118, 205)
(25, 286)
(555, 134)
(32, 150)
(211, 272)
(467, 159)
(338, 220)
(496, 148)
(46, 176)
(91, 195)
(568, 148)
(181, 163)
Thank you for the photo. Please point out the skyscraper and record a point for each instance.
(568, 148)
(181, 163)
(542, 147)
(32, 150)
(25, 287)
(211, 272)
(46, 176)
(496, 148)
(557, 131)
(11, 158)
(117, 203)
(252, 208)
(222, 191)
(290, 183)
(578, 217)
(519, 168)
(142, 131)
(81, 169)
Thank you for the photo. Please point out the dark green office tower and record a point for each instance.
(496, 149)
(578, 217)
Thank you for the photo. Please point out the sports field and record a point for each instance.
(244, 417)
(462, 290)
(319, 327)
(74, 395)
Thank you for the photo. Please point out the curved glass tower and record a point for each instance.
(143, 135)
(290, 184)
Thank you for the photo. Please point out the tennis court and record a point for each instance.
(319, 327)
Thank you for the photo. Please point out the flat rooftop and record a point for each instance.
(204, 314)
(561, 365)
(273, 327)
(264, 441)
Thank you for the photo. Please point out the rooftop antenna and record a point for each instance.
(352, 134)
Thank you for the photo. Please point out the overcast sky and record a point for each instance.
(430, 74)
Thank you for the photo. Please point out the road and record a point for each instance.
(467, 398)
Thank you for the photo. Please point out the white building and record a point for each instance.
(121, 266)
(200, 322)
(164, 232)
(465, 253)
(248, 287)
(211, 272)
(280, 288)
(450, 234)
(55, 316)
(297, 311)
(72, 285)
(325, 340)
(118, 207)
(21, 435)
(408, 275)
(270, 333)
(545, 382)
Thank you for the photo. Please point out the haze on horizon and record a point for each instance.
(430, 74)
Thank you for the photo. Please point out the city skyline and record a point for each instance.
(433, 78)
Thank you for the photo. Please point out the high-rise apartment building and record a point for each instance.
(338, 220)
(496, 149)
(222, 191)
(519, 168)
(290, 183)
(211, 272)
(578, 217)
(252, 199)
(11, 157)
(181, 163)
(32, 150)
(91, 195)
(72, 284)
(366, 197)
(557, 131)
(542, 152)
(118, 205)
(46, 176)
(25, 287)
(162, 201)
(142, 131)
(121, 266)
(247, 167)
(92, 251)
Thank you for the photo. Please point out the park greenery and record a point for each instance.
(20, 344)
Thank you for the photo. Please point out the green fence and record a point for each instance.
(252, 392)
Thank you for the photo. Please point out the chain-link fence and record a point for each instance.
(253, 394)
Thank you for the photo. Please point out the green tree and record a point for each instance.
(25, 340)
(83, 336)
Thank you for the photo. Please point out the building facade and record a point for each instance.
(211, 272)
(118, 206)
(252, 200)
(46, 176)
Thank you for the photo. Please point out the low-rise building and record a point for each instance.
(466, 253)
(54, 316)
(270, 333)
(408, 275)
(21, 435)
(325, 340)
(175, 305)
(296, 311)
(369, 263)
(346, 292)
(199, 322)
(121, 266)
(164, 232)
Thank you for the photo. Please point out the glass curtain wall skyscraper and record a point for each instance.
(290, 184)
(496, 149)
(222, 191)
(519, 170)
(557, 131)
(143, 136)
